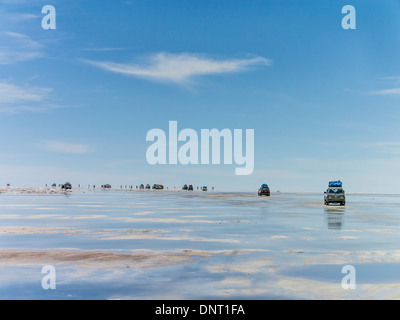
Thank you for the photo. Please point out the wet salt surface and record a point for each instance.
(195, 245)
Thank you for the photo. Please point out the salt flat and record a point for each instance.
(197, 245)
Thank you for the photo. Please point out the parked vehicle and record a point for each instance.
(141, 187)
(264, 190)
(147, 186)
(66, 186)
(204, 188)
(107, 186)
(185, 187)
(335, 193)
(158, 186)
(190, 187)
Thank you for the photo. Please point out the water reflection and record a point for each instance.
(334, 216)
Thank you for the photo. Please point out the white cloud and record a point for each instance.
(391, 147)
(10, 93)
(386, 92)
(65, 147)
(16, 47)
(15, 99)
(103, 49)
(179, 68)
(23, 39)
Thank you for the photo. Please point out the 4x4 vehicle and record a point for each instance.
(147, 186)
(204, 188)
(185, 187)
(335, 194)
(264, 190)
(66, 186)
(141, 187)
(190, 187)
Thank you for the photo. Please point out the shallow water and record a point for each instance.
(198, 245)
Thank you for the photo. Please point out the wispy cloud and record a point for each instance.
(395, 78)
(391, 147)
(10, 93)
(395, 90)
(65, 147)
(179, 68)
(15, 99)
(387, 92)
(18, 47)
(103, 49)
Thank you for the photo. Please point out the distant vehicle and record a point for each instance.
(264, 190)
(190, 187)
(335, 193)
(54, 185)
(141, 186)
(107, 186)
(204, 188)
(185, 187)
(158, 187)
(147, 186)
(66, 186)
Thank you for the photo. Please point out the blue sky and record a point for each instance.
(77, 102)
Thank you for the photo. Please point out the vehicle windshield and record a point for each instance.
(335, 191)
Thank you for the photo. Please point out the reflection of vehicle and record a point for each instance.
(204, 188)
(190, 187)
(158, 187)
(335, 193)
(148, 186)
(185, 187)
(141, 186)
(264, 190)
(66, 186)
